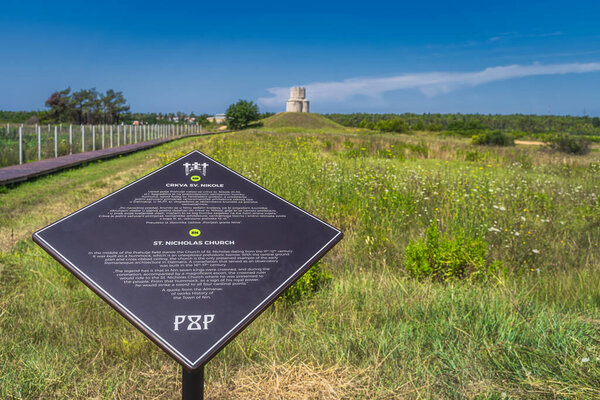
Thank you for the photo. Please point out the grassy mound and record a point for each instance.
(300, 120)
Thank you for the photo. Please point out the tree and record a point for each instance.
(240, 114)
(114, 104)
(86, 106)
(58, 102)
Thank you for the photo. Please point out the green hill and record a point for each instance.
(300, 120)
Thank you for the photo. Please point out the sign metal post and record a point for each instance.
(192, 384)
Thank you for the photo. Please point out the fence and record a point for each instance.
(21, 144)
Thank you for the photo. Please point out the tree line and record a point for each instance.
(86, 106)
(466, 123)
(89, 106)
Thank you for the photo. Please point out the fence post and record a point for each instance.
(55, 141)
(118, 135)
(93, 137)
(21, 144)
(39, 140)
(82, 139)
(71, 139)
(102, 137)
(111, 136)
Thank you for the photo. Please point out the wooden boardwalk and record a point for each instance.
(23, 172)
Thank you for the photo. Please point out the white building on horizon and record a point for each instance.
(297, 101)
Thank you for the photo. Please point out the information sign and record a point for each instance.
(190, 254)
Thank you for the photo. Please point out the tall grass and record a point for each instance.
(373, 331)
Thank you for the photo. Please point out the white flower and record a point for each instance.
(492, 229)
(585, 359)
(536, 251)
(523, 219)
(517, 233)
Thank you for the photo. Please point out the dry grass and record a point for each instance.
(295, 380)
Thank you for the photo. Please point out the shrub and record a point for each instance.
(443, 258)
(240, 114)
(570, 144)
(391, 125)
(493, 138)
(474, 156)
(310, 282)
(366, 124)
(435, 127)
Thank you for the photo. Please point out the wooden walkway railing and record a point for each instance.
(23, 172)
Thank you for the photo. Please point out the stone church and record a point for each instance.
(297, 101)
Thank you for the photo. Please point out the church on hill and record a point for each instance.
(297, 101)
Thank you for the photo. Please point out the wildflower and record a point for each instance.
(492, 229)
(585, 359)
(536, 251)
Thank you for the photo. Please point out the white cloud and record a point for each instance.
(429, 83)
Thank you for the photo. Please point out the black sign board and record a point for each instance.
(190, 254)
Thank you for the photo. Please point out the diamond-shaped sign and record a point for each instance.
(190, 254)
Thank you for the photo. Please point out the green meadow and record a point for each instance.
(528, 326)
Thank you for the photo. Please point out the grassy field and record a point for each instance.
(532, 330)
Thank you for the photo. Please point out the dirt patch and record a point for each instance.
(529, 142)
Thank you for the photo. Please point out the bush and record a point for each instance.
(391, 125)
(310, 282)
(493, 138)
(366, 124)
(435, 127)
(240, 114)
(570, 144)
(443, 258)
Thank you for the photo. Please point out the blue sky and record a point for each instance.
(535, 57)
